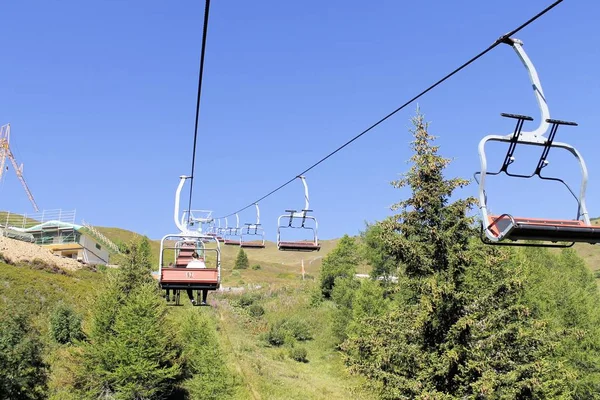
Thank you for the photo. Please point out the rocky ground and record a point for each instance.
(16, 250)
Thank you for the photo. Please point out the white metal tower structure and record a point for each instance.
(5, 152)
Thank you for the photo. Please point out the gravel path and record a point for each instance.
(16, 250)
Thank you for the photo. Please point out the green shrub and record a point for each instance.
(297, 328)
(339, 263)
(285, 330)
(65, 325)
(247, 299)
(276, 335)
(256, 310)
(316, 297)
(299, 354)
(256, 267)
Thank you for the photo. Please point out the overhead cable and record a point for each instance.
(500, 40)
(204, 32)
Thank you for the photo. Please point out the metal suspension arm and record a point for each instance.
(306, 199)
(257, 214)
(178, 224)
(517, 45)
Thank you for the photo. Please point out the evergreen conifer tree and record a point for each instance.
(241, 261)
(450, 333)
(130, 350)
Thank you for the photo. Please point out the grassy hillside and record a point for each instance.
(268, 371)
(590, 253)
(261, 369)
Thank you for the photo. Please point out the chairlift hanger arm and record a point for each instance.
(517, 45)
(306, 198)
(179, 224)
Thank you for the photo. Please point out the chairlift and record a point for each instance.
(253, 235)
(179, 247)
(220, 232)
(233, 235)
(505, 229)
(299, 245)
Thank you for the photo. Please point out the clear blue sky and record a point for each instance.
(101, 97)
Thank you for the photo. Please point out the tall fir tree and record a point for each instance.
(130, 350)
(449, 333)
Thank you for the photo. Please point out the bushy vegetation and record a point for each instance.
(340, 263)
(205, 373)
(299, 354)
(247, 299)
(288, 330)
(256, 310)
(65, 325)
(112, 341)
(23, 372)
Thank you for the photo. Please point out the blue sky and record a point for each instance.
(101, 98)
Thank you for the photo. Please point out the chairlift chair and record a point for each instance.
(212, 228)
(299, 245)
(253, 235)
(233, 236)
(221, 231)
(188, 241)
(505, 229)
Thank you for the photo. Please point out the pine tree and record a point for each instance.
(137, 265)
(241, 261)
(450, 333)
(130, 350)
